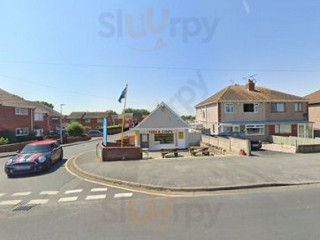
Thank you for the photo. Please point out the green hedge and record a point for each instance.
(75, 129)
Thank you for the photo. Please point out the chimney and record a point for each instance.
(251, 86)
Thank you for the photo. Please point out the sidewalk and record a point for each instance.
(205, 173)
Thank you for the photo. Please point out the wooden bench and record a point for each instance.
(195, 150)
(165, 151)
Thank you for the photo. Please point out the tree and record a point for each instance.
(50, 105)
(138, 112)
(111, 112)
(188, 118)
(75, 129)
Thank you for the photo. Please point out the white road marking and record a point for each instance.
(68, 199)
(10, 202)
(123, 195)
(2, 194)
(96, 197)
(38, 201)
(73, 191)
(99, 189)
(49, 193)
(18, 194)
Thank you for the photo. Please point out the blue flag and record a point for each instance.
(123, 94)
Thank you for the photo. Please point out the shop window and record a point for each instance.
(164, 138)
(255, 129)
(283, 128)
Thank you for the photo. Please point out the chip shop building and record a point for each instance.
(163, 128)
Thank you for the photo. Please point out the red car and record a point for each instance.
(34, 157)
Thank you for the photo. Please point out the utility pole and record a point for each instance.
(61, 137)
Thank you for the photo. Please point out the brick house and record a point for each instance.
(90, 120)
(256, 111)
(19, 118)
(314, 110)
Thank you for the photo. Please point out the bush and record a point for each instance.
(4, 141)
(75, 129)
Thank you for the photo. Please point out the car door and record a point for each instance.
(54, 152)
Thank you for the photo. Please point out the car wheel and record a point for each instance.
(10, 176)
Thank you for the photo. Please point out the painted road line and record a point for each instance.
(19, 194)
(99, 189)
(10, 202)
(68, 199)
(73, 191)
(123, 195)
(38, 201)
(96, 197)
(49, 193)
(2, 194)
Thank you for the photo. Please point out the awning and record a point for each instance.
(264, 123)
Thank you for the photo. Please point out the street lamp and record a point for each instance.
(61, 137)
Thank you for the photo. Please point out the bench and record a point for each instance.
(195, 150)
(165, 151)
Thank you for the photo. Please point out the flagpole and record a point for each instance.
(123, 115)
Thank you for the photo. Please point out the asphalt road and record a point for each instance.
(74, 209)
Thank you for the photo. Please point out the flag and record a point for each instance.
(123, 94)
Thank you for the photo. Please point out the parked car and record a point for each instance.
(34, 157)
(255, 144)
(94, 132)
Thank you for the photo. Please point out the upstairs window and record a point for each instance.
(298, 107)
(87, 121)
(22, 111)
(100, 120)
(228, 108)
(203, 113)
(251, 107)
(38, 116)
(277, 107)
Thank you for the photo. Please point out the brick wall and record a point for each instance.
(314, 115)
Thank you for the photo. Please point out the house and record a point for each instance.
(163, 128)
(90, 120)
(19, 118)
(314, 110)
(129, 120)
(256, 111)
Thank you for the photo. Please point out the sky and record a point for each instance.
(82, 54)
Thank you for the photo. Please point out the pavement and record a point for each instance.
(263, 169)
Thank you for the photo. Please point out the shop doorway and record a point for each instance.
(144, 140)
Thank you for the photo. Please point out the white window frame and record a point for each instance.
(256, 107)
(22, 129)
(87, 121)
(259, 126)
(38, 132)
(298, 107)
(203, 112)
(100, 120)
(228, 107)
(22, 111)
(235, 128)
(279, 130)
(38, 117)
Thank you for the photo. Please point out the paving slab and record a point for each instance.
(209, 172)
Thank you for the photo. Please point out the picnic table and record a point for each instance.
(165, 151)
(195, 150)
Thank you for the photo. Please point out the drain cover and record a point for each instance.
(23, 208)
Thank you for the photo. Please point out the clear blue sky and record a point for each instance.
(80, 54)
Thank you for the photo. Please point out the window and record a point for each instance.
(230, 128)
(251, 107)
(22, 131)
(298, 107)
(277, 107)
(203, 113)
(255, 129)
(283, 128)
(22, 111)
(228, 108)
(164, 138)
(38, 132)
(87, 121)
(100, 120)
(38, 116)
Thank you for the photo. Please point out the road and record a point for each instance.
(74, 209)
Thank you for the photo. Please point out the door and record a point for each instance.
(144, 140)
(302, 130)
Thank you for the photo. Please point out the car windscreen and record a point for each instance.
(36, 149)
